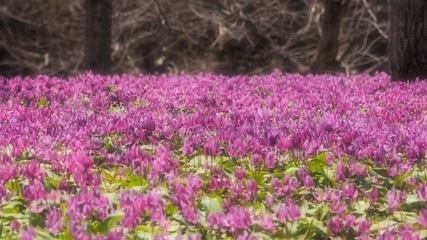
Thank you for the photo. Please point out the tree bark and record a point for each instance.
(98, 35)
(325, 60)
(408, 40)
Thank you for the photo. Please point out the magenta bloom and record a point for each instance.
(251, 189)
(83, 161)
(238, 218)
(15, 225)
(270, 160)
(131, 218)
(319, 197)
(240, 173)
(256, 159)
(54, 220)
(308, 182)
(422, 191)
(190, 215)
(364, 226)
(350, 220)
(340, 172)
(288, 212)
(335, 224)
(187, 149)
(194, 182)
(213, 221)
(289, 184)
(349, 192)
(269, 200)
(329, 159)
(393, 200)
(266, 222)
(407, 232)
(362, 170)
(422, 220)
(410, 180)
(373, 195)
(28, 234)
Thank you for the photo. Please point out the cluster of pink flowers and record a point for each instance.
(56, 135)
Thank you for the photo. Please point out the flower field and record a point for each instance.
(280, 156)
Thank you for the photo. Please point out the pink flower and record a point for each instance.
(353, 167)
(422, 220)
(15, 225)
(251, 189)
(350, 220)
(406, 232)
(34, 191)
(373, 195)
(28, 234)
(269, 200)
(289, 211)
(190, 215)
(284, 144)
(293, 210)
(187, 149)
(131, 218)
(237, 188)
(337, 206)
(101, 213)
(340, 172)
(329, 159)
(281, 212)
(362, 170)
(422, 191)
(410, 180)
(83, 161)
(364, 226)
(319, 197)
(266, 222)
(238, 218)
(213, 221)
(393, 200)
(116, 234)
(256, 159)
(194, 182)
(270, 160)
(349, 192)
(308, 182)
(335, 224)
(289, 184)
(54, 220)
(246, 236)
(240, 173)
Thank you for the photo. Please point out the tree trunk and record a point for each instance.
(98, 35)
(325, 60)
(408, 40)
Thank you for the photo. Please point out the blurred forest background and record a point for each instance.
(220, 36)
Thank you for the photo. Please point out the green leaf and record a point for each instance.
(13, 216)
(362, 206)
(137, 181)
(53, 176)
(229, 165)
(108, 223)
(14, 206)
(423, 234)
(43, 235)
(291, 170)
(37, 220)
(42, 102)
(170, 209)
(210, 204)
